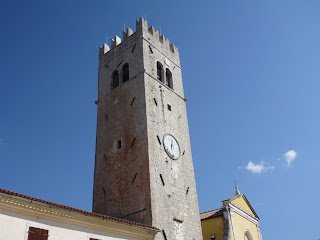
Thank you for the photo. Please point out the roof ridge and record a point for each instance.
(211, 210)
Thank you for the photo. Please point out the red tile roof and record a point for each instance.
(211, 214)
(78, 210)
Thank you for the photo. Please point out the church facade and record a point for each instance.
(236, 219)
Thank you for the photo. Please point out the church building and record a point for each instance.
(235, 220)
(144, 183)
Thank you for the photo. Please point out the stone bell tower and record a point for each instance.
(143, 165)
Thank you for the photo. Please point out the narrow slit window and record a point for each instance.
(133, 142)
(134, 178)
(132, 100)
(162, 180)
(169, 78)
(164, 235)
(159, 72)
(169, 107)
(125, 72)
(155, 102)
(115, 79)
(119, 144)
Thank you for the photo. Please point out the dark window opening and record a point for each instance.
(37, 234)
(159, 72)
(132, 100)
(119, 144)
(162, 180)
(134, 178)
(125, 72)
(133, 142)
(159, 139)
(150, 49)
(164, 234)
(133, 48)
(169, 78)
(115, 79)
(169, 107)
(155, 102)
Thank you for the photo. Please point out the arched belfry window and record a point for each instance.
(159, 72)
(169, 79)
(115, 79)
(125, 73)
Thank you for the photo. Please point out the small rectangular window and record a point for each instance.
(169, 107)
(119, 144)
(37, 234)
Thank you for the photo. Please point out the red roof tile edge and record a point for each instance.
(79, 210)
(211, 214)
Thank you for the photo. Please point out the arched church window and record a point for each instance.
(169, 78)
(115, 79)
(247, 235)
(159, 72)
(125, 72)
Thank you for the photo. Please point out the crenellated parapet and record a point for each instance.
(141, 30)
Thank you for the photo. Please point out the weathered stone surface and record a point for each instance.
(127, 180)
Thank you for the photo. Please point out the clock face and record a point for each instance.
(171, 146)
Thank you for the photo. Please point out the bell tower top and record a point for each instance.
(149, 47)
(142, 31)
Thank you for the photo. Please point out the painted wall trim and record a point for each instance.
(243, 213)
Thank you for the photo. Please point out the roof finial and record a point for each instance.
(237, 189)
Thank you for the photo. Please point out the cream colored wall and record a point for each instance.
(242, 224)
(243, 204)
(212, 226)
(15, 226)
(18, 214)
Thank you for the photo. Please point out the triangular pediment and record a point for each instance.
(242, 202)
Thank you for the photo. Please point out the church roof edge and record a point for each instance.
(115, 219)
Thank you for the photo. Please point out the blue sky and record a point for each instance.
(251, 72)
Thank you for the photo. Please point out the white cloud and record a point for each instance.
(258, 168)
(290, 156)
